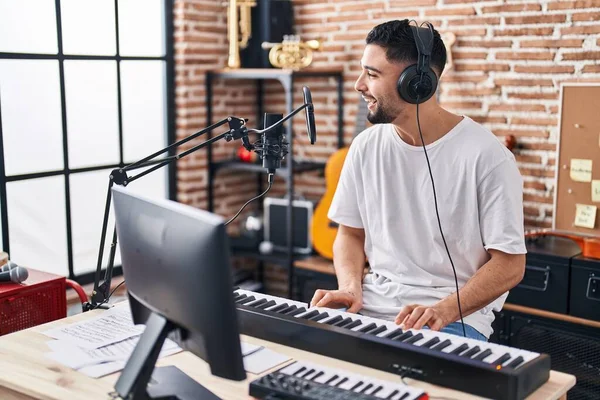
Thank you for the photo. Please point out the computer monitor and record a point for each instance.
(176, 266)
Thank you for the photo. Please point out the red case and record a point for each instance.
(40, 299)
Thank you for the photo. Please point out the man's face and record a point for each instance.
(377, 84)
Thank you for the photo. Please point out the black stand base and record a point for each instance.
(170, 383)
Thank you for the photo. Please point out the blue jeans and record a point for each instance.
(455, 328)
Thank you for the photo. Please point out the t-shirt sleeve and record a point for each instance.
(500, 200)
(344, 208)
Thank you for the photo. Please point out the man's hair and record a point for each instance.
(396, 37)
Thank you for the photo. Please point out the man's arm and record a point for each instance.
(349, 264)
(501, 273)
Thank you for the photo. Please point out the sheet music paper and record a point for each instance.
(113, 325)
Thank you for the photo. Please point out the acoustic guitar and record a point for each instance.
(323, 230)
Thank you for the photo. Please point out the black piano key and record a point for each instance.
(471, 352)
(310, 314)
(502, 359)
(236, 288)
(404, 396)
(310, 371)
(482, 355)
(357, 385)
(369, 386)
(317, 375)
(257, 303)
(247, 300)
(288, 310)
(516, 362)
(415, 338)
(268, 304)
(431, 342)
(343, 322)
(367, 328)
(333, 320)
(404, 336)
(296, 312)
(459, 349)
(237, 297)
(391, 395)
(319, 317)
(279, 307)
(377, 389)
(377, 331)
(333, 378)
(353, 324)
(392, 334)
(340, 382)
(442, 345)
(302, 369)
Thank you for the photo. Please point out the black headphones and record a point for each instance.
(417, 83)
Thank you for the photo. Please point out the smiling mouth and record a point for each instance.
(370, 102)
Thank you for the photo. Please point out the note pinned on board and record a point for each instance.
(596, 191)
(585, 216)
(581, 170)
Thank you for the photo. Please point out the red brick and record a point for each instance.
(525, 55)
(551, 43)
(523, 82)
(588, 16)
(484, 43)
(486, 119)
(583, 55)
(511, 8)
(318, 9)
(591, 68)
(524, 31)
(481, 67)
(545, 69)
(569, 5)
(534, 185)
(534, 96)
(451, 77)
(469, 55)
(483, 91)
(538, 146)
(580, 30)
(346, 18)
(536, 19)
(462, 104)
(534, 198)
(450, 11)
(534, 121)
(517, 107)
(474, 21)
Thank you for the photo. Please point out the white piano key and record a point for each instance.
(291, 369)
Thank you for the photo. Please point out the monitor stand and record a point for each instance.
(138, 382)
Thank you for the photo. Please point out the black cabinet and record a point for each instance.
(291, 167)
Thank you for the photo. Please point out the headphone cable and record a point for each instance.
(434, 194)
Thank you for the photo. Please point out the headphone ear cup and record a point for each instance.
(410, 85)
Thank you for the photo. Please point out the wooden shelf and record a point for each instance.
(317, 264)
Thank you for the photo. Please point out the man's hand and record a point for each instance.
(349, 298)
(416, 316)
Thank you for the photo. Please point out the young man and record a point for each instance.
(385, 208)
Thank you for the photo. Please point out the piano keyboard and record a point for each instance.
(304, 380)
(490, 353)
(425, 354)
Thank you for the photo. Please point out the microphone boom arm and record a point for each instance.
(237, 130)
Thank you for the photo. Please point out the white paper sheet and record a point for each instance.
(77, 357)
(248, 348)
(111, 326)
(263, 360)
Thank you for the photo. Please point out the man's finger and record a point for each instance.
(354, 307)
(403, 314)
(437, 325)
(319, 293)
(414, 317)
(328, 298)
(425, 318)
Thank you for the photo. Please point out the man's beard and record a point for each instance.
(380, 115)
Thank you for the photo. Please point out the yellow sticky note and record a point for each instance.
(596, 191)
(581, 170)
(585, 216)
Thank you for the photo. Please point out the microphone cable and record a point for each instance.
(437, 212)
(270, 180)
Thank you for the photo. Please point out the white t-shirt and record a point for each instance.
(385, 188)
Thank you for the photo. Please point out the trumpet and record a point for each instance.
(240, 32)
(292, 53)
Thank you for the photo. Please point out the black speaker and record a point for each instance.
(271, 20)
(573, 349)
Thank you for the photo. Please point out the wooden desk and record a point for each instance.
(28, 374)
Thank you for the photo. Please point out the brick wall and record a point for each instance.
(510, 58)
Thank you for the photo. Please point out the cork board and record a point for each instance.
(578, 164)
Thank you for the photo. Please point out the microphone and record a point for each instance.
(8, 266)
(310, 115)
(274, 147)
(16, 275)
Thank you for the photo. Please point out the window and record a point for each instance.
(85, 87)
